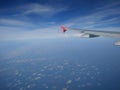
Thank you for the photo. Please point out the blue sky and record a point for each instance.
(28, 19)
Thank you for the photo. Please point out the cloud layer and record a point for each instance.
(103, 18)
(41, 9)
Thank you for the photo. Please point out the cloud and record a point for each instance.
(12, 33)
(14, 22)
(15, 28)
(24, 10)
(110, 5)
(20, 29)
(39, 9)
(101, 17)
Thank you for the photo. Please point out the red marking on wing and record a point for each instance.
(64, 29)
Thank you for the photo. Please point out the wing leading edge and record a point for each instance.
(94, 33)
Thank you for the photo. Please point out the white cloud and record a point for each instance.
(100, 18)
(22, 34)
(109, 5)
(39, 9)
(13, 22)
(14, 29)
(44, 10)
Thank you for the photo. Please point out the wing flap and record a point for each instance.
(98, 33)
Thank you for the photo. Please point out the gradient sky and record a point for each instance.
(28, 19)
(26, 29)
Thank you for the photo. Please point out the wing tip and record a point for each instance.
(64, 29)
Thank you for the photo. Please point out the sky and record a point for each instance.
(32, 31)
(36, 19)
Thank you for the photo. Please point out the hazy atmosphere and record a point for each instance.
(36, 55)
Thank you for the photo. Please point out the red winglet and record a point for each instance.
(64, 29)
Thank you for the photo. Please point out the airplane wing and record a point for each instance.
(94, 33)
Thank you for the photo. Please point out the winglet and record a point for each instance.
(64, 29)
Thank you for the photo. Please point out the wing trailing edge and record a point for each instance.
(94, 33)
